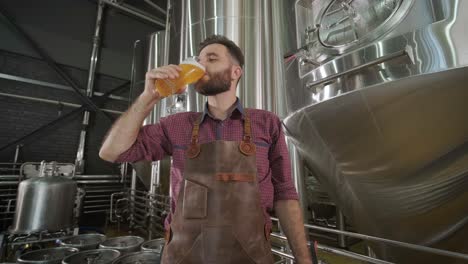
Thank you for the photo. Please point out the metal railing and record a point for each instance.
(367, 238)
(141, 210)
(9, 180)
(99, 190)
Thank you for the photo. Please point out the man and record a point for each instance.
(230, 166)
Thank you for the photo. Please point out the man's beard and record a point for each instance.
(219, 82)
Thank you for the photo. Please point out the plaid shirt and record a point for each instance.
(171, 136)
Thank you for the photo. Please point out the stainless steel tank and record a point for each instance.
(124, 244)
(377, 108)
(149, 54)
(96, 256)
(46, 256)
(83, 241)
(139, 257)
(257, 27)
(44, 203)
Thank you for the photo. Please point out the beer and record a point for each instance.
(192, 71)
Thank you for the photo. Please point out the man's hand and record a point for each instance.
(290, 217)
(125, 130)
(170, 72)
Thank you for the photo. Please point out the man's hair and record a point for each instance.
(233, 49)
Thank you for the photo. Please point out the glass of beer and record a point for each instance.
(192, 71)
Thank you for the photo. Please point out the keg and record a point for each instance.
(139, 257)
(84, 241)
(155, 245)
(47, 256)
(95, 256)
(124, 244)
(37, 202)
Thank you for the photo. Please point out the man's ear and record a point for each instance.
(236, 72)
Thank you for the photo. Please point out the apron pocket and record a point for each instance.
(195, 200)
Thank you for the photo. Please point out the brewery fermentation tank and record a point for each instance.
(376, 99)
(250, 25)
(257, 27)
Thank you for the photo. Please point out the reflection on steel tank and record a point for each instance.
(376, 102)
(38, 199)
(249, 24)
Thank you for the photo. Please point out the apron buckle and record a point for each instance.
(193, 151)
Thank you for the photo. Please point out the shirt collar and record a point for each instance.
(237, 106)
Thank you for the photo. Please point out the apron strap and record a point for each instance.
(247, 147)
(194, 148)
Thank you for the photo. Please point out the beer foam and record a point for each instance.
(194, 63)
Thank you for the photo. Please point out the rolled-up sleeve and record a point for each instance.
(281, 166)
(151, 144)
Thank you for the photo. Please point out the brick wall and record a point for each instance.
(19, 117)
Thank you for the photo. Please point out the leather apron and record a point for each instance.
(218, 217)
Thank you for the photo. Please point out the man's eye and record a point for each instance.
(211, 59)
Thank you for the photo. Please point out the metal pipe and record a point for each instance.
(133, 73)
(140, 216)
(80, 159)
(379, 60)
(393, 242)
(132, 198)
(123, 169)
(42, 100)
(9, 205)
(340, 222)
(96, 211)
(138, 203)
(8, 195)
(53, 85)
(51, 62)
(141, 224)
(15, 159)
(389, 241)
(96, 177)
(111, 205)
(134, 11)
(9, 183)
(282, 254)
(97, 196)
(97, 201)
(98, 181)
(155, 6)
(107, 190)
(9, 177)
(350, 254)
(333, 250)
(96, 206)
(99, 187)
